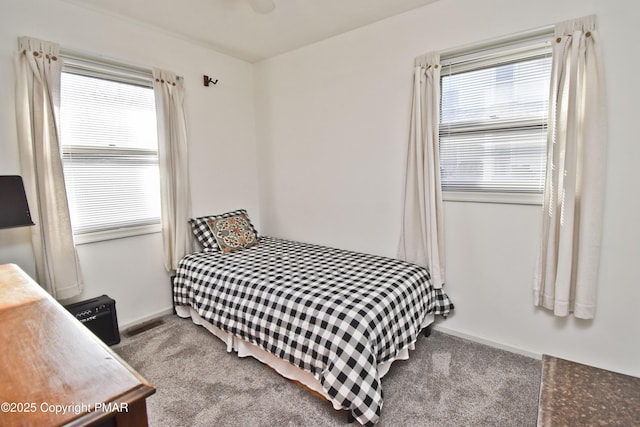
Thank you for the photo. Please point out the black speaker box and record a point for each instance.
(99, 315)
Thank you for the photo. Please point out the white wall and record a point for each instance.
(332, 121)
(221, 130)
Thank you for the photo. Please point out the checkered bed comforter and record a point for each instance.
(331, 312)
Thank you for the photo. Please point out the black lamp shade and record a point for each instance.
(14, 210)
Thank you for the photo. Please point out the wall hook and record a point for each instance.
(208, 80)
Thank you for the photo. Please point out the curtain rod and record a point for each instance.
(498, 42)
(98, 60)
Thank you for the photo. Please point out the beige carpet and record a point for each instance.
(446, 382)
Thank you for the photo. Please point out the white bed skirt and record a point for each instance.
(284, 368)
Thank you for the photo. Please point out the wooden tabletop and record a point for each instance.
(53, 370)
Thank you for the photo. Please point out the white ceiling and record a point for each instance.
(232, 27)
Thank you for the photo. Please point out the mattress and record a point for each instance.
(333, 313)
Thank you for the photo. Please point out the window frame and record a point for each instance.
(482, 55)
(103, 68)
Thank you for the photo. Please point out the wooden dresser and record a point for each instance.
(54, 371)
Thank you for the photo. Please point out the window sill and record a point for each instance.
(99, 236)
(501, 198)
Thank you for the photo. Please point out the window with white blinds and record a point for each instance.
(110, 150)
(493, 120)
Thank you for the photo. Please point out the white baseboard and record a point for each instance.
(488, 342)
(138, 321)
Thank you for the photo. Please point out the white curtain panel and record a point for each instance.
(174, 166)
(567, 270)
(38, 69)
(422, 237)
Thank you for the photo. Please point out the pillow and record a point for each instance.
(233, 233)
(203, 233)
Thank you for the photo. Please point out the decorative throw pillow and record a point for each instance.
(233, 233)
(203, 233)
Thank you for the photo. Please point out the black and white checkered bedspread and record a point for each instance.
(331, 312)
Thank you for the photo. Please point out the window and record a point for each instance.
(110, 150)
(493, 115)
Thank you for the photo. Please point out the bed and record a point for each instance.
(331, 319)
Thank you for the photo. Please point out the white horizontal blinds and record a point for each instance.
(109, 142)
(111, 193)
(493, 120)
(101, 113)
